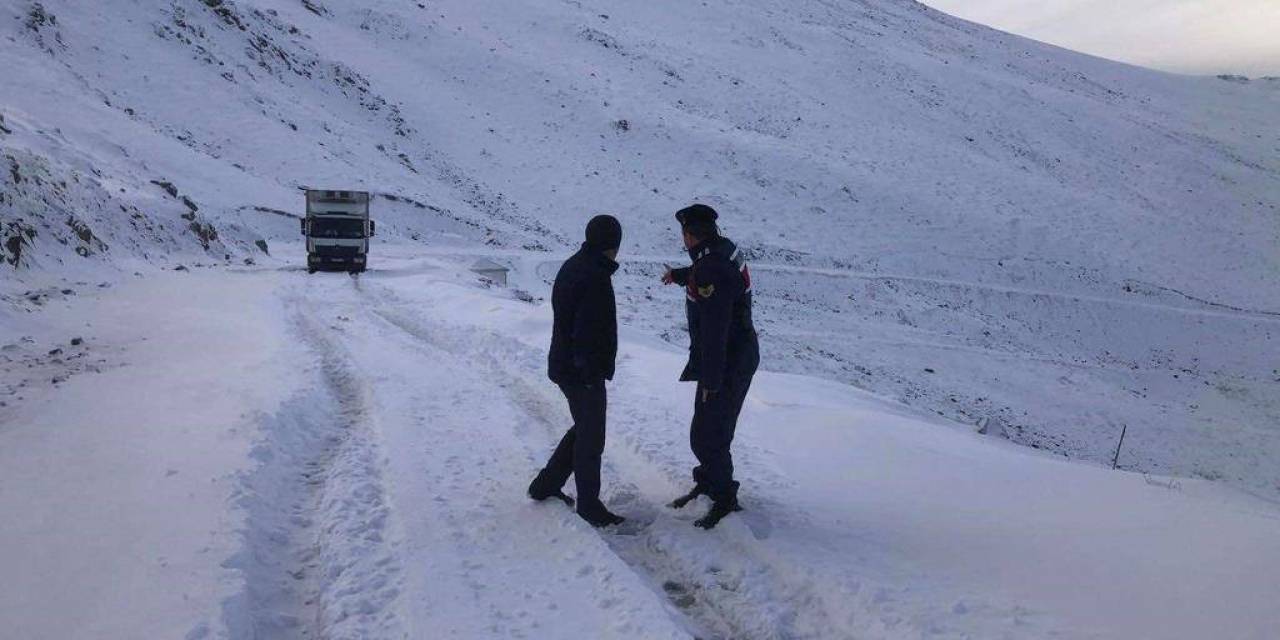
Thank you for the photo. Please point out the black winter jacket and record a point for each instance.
(722, 335)
(584, 336)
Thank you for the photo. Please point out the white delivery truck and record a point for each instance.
(337, 228)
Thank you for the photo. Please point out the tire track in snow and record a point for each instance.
(462, 521)
(319, 560)
(278, 498)
(356, 547)
(717, 586)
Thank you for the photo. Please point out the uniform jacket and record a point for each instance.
(584, 335)
(722, 336)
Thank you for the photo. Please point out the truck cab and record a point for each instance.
(337, 228)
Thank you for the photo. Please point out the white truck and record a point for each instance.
(337, 228)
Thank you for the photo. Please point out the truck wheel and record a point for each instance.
(311, 269)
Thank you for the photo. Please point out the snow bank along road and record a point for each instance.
(266, 454)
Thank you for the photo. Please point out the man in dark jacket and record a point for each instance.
(584, 343)
(724, 353)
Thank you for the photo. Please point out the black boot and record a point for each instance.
(599, 517)
(540, 493)
(679, 503)
(717, 513)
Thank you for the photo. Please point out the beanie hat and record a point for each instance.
(604, 232)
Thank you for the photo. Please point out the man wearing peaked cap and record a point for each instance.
(724, 353)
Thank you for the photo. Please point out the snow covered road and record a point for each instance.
(275, 455)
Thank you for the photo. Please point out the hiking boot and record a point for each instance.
(717, 513)
(600, 517)
(679, 503)
(539, 493)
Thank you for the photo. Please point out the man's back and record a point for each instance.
(584, 337)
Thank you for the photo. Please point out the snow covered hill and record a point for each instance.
(967, 221)
(965, 224)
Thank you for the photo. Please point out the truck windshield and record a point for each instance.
(336, 228)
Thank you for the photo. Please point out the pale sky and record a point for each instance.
(1185, 36)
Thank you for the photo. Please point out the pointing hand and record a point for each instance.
(667, 277)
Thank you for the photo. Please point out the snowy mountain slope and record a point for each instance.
(866, 134)
(1069, 243)
(355, 469)
(962, 221)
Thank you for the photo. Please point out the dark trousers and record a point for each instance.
(580, 449)
(711, 435)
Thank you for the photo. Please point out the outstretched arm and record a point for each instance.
(676, 276)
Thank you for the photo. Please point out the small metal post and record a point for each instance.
(1116, 460)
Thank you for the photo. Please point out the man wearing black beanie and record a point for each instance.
(584, 344)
